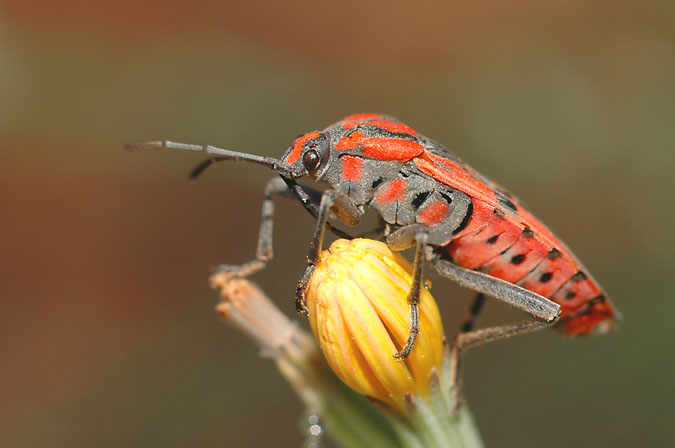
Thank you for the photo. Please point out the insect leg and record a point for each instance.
(275, 187)
(347, 212)
(471, 314)
(309, 197)
(538, 306)
(264, 252)
(310, 200)
(421, 236)
(528, 301)
(464, 341)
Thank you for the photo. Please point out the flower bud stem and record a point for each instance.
(434, 422)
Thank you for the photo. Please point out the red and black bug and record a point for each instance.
(470, 229)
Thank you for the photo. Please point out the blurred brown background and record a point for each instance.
(107, 331)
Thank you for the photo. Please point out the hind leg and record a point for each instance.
(472, 313)
(547, 311)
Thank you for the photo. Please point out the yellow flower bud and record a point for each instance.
(360, 316)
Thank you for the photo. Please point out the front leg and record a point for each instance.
(347, 212)
(274, 188)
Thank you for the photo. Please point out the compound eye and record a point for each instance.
(311, 160)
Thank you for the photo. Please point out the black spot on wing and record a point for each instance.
(517, 259)
(377, 182)
(553, 254)
(588, 309)
(527, 232)
(545, 277)
(596, 299)
(492, 239)
(579, 277)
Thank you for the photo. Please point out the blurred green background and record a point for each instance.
(107, 331)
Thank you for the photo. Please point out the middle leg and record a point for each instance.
(417, 235)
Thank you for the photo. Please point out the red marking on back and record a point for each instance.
(434, 213)
(455, 175)
(362, 117)
(388, 149)
(393, 126)
(298, 144)
(381, 148)
(351, 141)
(393, 192)
(453, 165)
(352, 167)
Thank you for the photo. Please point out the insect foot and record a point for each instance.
(224, 272)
